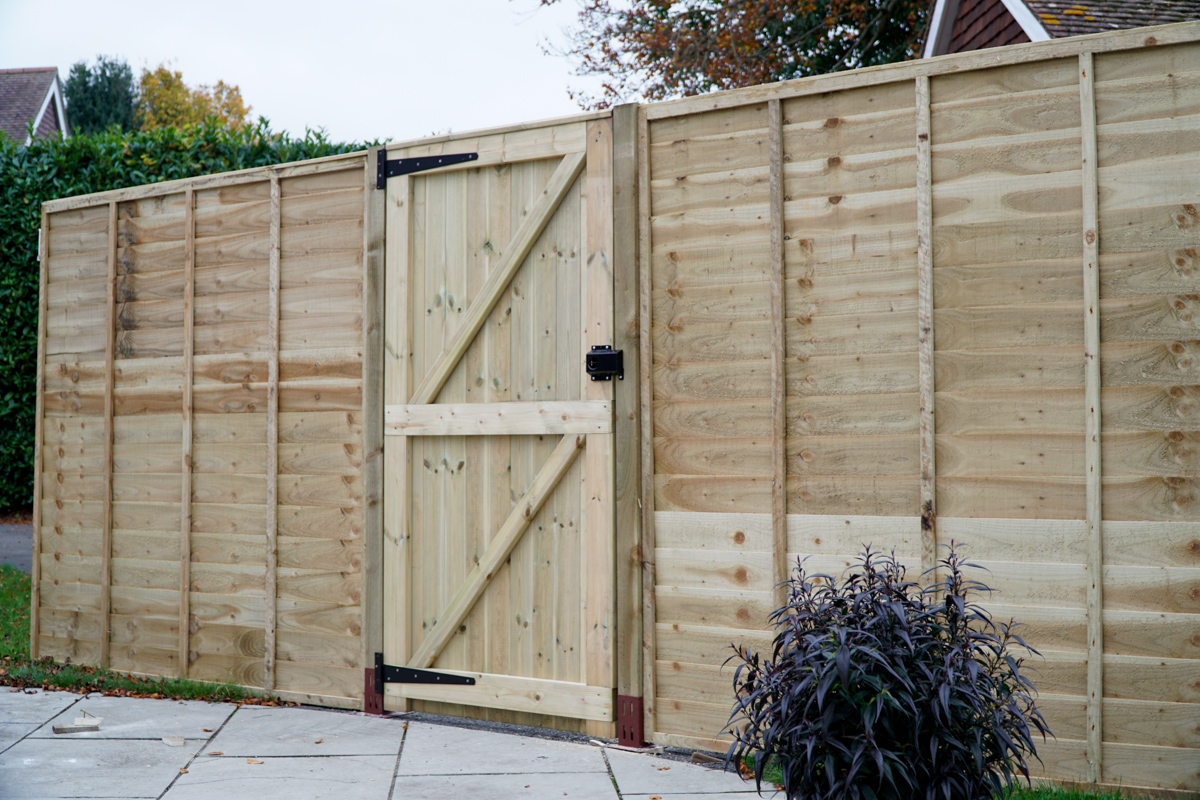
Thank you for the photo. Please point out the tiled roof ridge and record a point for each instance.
(19, 70)
(1062, 18)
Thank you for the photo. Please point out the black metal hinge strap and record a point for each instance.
(406, 166)
(386, 673)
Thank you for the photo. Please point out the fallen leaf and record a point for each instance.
(318, 741)
(207, 730)
(663, 769)
(656, 797)
(184, 771)
(253, 761)
(216, 753)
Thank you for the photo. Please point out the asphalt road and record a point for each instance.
(16, 546)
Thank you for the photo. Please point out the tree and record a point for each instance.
(658, 49)
(100, 96)
(165, 100)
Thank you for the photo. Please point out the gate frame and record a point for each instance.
(628, 645)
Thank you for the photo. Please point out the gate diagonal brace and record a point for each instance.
(386, 673)
(406, 166)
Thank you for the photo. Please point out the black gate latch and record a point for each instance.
(406, 166)
(604, 362)
(386, 673)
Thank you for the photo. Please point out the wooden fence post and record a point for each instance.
(270, 586)
(1091, 354)
(925, 349)
(185, 468)
(778, 356)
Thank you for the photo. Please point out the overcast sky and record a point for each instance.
(361, 69)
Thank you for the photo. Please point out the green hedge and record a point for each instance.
(47, 170)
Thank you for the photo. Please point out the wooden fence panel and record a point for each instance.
(1037, 206)
(200, 494)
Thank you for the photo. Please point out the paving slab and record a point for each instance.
(32, 705)
(543, 786)
(265, 731)
(11, 733)
(90, 768)
(343, 778)
(142, 718)
(445, 750)
(641, 774)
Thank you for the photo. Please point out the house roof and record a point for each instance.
(1062, 18)
(25, 94)
(1058, 19)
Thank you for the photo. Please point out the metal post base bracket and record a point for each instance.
(631, 731)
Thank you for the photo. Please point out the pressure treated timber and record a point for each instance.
(524, 238)
(529, 695)
(937, 214)
(272, 443)
(975, 234)
(1091, 299)
(626, 397)
(107, 520)
(646, 359)
(778, 354)
(472, 419)
(193, 482)
(185, 471)
(498, 550)
(39, 422)
(925, 341)
(373, 376)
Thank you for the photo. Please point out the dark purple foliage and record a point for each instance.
(877, 688)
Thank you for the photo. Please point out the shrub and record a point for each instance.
(877, 688)
(52, 168)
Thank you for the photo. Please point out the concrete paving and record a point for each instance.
(16, 546)
(294, 753)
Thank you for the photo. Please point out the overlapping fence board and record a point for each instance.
(212, 416)
(1010, 155)
(871, 306)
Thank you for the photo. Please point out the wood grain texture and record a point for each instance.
(373, 303)
(626, 398)
(185, 497)
(1092, 446)
(779, 470)
(272, 442)
(523, 239)
(107, 521)
(39, 422)
(925, 342)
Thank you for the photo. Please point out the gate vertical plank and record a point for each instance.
(625, 403)
(185, 469)
(925, 345)
(646, 359)
(1091, 348)
(35, 570)
(110, 347)
(778, 358)
(269, 588)
(397, 366)
(599, 476)
(498, 497)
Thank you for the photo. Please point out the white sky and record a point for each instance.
(361, 69)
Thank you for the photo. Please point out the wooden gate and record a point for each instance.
(498, 510)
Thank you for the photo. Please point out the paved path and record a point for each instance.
(297, 753)
(16, 546)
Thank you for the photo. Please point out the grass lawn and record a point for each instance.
(16, 668)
